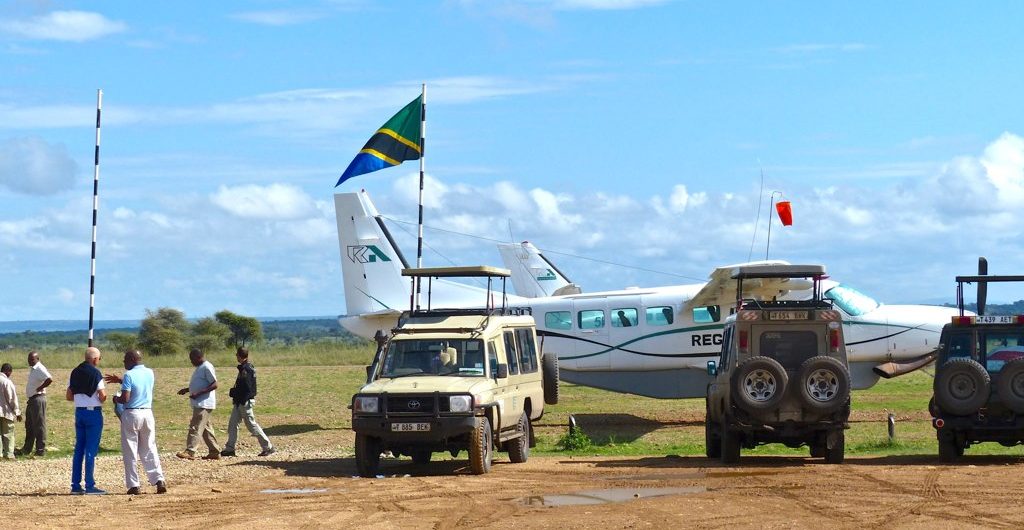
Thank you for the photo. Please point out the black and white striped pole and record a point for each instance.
(95, 211)
(423, 155)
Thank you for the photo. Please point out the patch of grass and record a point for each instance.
(574, 440)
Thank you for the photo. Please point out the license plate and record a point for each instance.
(995, 319)
(787, 315)
(410, 427)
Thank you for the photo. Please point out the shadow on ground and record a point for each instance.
(346, 467)
(674, 461)
(604, 429)
(293, 428)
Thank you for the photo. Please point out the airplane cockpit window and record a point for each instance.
(558, 320)
(590, 319)
(850, 300)
(660, 315)
(624, 317)
(707, 314)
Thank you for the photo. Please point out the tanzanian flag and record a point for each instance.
(396, 141)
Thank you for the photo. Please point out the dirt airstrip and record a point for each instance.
(313, 489)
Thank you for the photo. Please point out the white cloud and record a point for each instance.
(276, 201)
(32, 166)
(71, 26)
(550, 211)
(278, 17)
(65, 295)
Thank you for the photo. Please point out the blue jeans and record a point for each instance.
(88, 429)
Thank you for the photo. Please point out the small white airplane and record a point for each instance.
(648, 341)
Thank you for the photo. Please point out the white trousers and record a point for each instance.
(138, 442)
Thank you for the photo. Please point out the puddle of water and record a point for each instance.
(606, 496)
(294, 491)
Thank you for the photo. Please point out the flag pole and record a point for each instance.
(95, 212)
(771, 199)
(423, 136)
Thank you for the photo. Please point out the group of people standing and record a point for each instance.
(134, 406)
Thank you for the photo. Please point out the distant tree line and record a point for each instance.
(1016, 308)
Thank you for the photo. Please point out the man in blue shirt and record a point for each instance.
(138, 428)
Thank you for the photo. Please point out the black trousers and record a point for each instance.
(35, 424)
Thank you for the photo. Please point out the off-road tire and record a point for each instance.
(824, 383)
(758, 376)
(367, 455)
(837, 452)
(421, 456)
(1010, 385)
(949, 450)
(481, 447)
(519, 448)
(712, 440)
(961, 387)
(730, 447)
(817, 444)
(550, 362)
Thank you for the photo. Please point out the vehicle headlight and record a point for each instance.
(366, 404)
(460, 403)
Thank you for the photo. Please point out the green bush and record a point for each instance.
(574, 440)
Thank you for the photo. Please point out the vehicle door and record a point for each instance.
(592, 350)
(513, 399)
(531, 386)
(496, 356)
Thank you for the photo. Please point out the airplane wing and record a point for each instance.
(721, 288)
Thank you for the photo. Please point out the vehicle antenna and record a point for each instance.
(760, 199)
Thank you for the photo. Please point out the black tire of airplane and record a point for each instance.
(1010, 385)
(367, 455)
(961, 386)
(550, 362)
(773, 369)
(837, 379)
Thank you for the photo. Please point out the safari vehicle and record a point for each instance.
(783, 375)
(978, 391)
(455, 380)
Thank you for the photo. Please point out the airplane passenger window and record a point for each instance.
(707, 314)
(624, 317)
(660, 315)
(558, 320)
(590, 319)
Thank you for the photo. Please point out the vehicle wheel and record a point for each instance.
(421, 456)
(836, 453)
(817, 444)
(550, 362)
(824, 383)
(1010, 385)
(759, 384)
(961, 386)
(367, 455)
(730, 448)
(712, 440)
(481, 447)
(949, 450)
(519, 449)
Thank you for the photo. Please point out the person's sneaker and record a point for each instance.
(18, 452)
(134, 491)
(212, 456)
(161, 486)
(267, 452)
(186, 455)
(95, 491)
(227, 452)
(77, 490)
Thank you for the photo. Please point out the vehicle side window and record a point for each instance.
(1001, 348)
(511, 354)
(590, 319)
(558, 320)
(492, 358)
(624, 317)
(960, 345)
(726, 347)
(660, 315)
(707, 314)
(527, 351)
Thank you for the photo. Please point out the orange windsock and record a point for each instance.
(785, 210)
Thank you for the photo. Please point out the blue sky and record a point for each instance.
(630, 131)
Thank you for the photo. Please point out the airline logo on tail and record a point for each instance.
(366, 254)
(549, 275)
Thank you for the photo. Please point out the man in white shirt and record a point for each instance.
(9, 410)
(202, 395)
(35, 409)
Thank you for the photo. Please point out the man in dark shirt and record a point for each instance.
(243, 398)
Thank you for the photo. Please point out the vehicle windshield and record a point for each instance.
(428, 357)
(850, 300)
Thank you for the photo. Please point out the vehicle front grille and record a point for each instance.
(416, 404)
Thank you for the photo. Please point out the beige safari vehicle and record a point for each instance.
(783, 375)
(454, 380)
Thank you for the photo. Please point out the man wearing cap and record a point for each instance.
(87, 391)
(138, 428)
(35, 410)
(8, 410)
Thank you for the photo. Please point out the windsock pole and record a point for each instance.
(95, 212)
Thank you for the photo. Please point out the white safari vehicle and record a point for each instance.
(455, 380)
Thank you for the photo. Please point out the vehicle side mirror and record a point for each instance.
(712, 368)
(502, 371)
(369, 372)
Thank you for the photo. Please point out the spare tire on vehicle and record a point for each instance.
(962, 386)
(1010, 385)
(759, 384)
(550, 362)
(824, 383)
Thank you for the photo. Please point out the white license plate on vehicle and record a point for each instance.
(787, 315)
(995, 319)
(410, 427)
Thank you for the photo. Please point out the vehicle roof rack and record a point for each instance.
(777, 271)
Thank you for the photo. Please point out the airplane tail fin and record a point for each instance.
(533, 275)
(371, 262)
